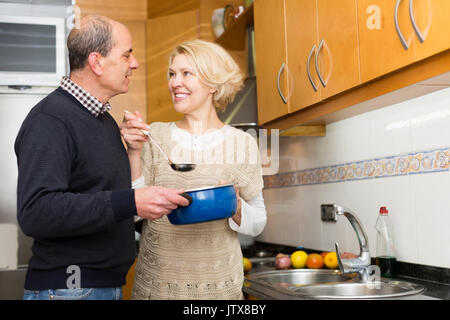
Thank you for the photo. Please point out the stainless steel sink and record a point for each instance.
(323, 284)
(356, 290)
(294, 278)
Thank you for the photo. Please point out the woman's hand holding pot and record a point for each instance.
(237, 216)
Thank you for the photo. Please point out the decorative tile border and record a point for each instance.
(404, 164)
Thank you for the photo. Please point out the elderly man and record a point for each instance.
(74, 189)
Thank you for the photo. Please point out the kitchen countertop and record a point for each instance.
(260, 254)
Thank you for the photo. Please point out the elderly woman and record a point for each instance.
(203, 260)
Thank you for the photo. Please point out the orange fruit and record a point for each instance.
(298, 259)
(331, 261)
(314, 261)
(247, 264)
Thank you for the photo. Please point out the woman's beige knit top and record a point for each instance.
(202, 260)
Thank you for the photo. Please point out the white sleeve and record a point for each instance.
(253, 217)
(138, 183)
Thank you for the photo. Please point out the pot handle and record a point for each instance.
(188, 197)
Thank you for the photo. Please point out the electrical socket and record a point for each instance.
(328, 213)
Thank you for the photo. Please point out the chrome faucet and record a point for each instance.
(362, 262)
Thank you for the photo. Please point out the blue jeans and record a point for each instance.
(74, 294)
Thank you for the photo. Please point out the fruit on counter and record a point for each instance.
(323, 254)
(331, 261)
(284, 284)
(314, 261)
(298, 259)
(282, 261)
(281, 255)
(247, 264)
(348, 255)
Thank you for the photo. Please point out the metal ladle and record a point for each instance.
(178, 167)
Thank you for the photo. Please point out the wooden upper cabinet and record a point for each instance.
(381, 28)
(394, 34)
(432, 18)
(302, 44)
(338, 57)
(270, 48)
(316, 40)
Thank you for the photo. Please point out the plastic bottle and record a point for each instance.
(385, 257)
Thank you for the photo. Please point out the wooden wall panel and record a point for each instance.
(158, 8)
(136, 98)
(132, 13)
(163, 34)
(117, 9)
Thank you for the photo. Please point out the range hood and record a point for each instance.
(242, 113)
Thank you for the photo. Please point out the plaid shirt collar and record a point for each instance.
(91, 103)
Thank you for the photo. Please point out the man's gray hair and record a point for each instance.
(94, 35)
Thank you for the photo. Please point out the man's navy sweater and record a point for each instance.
(74, 195)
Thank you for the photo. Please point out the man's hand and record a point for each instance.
(130, 129)
(154, 202)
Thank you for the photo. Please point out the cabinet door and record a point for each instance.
(338, 55)
(270, 48)
(433, 22)
(301, 38)
(381, 50)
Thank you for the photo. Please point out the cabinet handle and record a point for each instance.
(307, 67)
(317, 65)
(413, 21)
(400, 35)
(278, 84)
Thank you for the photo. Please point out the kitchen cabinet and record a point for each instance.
(333, 55)
(433, 21)
(306, 51)
(302, 43)
(270, 48)
(389, 33)
(381, 49)
(338, 31)
(322, 49)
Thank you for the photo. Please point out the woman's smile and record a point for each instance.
(181, 96)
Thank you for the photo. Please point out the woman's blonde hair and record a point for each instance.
(216, 69)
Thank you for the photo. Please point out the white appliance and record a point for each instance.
(33, 55)
(14, 108)
(33, 43)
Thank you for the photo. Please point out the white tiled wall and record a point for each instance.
(419, 205)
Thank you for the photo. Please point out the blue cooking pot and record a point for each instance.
(206, 204)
